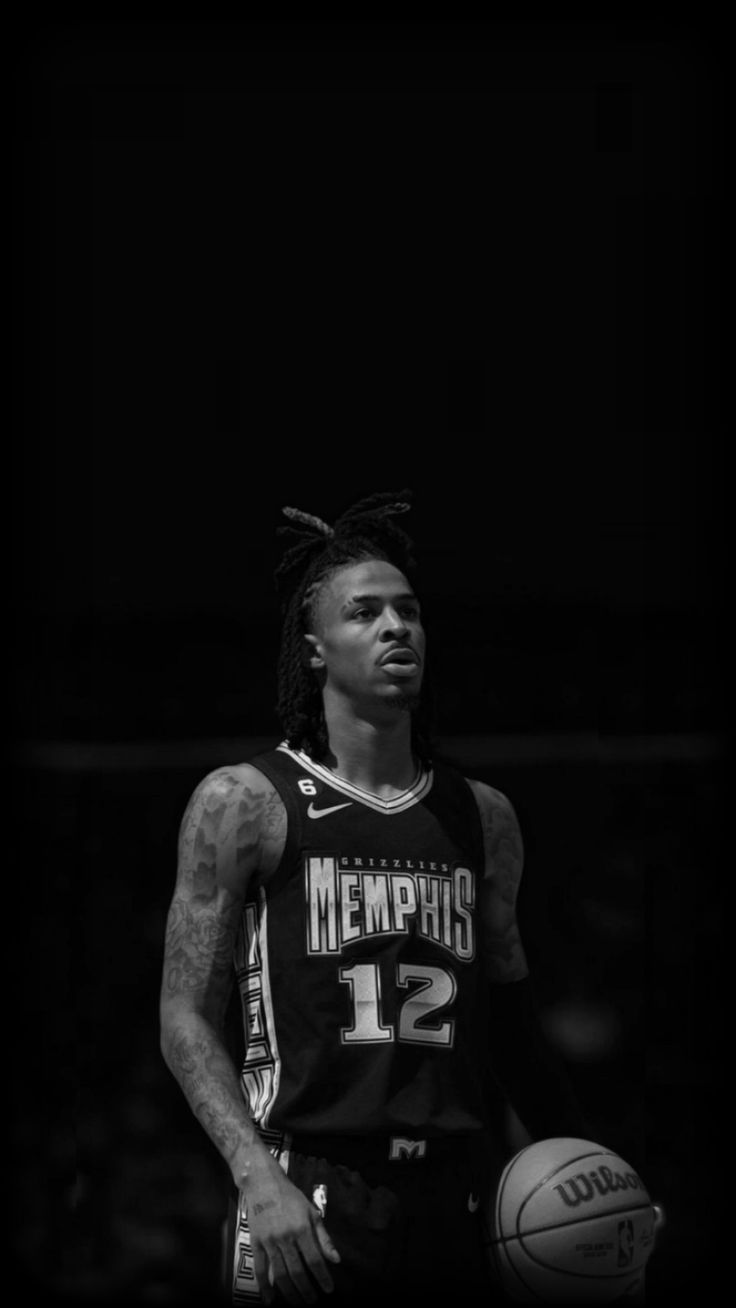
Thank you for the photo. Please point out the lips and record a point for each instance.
(400, 655)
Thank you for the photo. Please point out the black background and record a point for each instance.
(260, 265)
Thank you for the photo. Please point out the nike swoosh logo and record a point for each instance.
(473, 1202)
(322, 812)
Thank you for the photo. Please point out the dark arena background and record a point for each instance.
(259, 265)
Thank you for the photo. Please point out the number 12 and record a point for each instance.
(419, 1023)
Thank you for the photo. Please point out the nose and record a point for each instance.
(394, 626)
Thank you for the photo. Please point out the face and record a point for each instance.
(367, 643)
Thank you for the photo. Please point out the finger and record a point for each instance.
(262, 1273)
(293, 1281)
(311, 1250)
(325, 1243)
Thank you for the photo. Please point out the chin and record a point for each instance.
(404, 701)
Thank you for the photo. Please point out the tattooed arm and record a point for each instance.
(524, 1063)
(233, 828)
(503, 952)
(223, 839)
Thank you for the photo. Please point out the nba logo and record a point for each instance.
(319, 1198)
(625, 1242)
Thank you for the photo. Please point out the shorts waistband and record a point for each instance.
(400, 1148)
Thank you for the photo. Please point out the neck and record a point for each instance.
(377, 756)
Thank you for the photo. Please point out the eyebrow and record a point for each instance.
(379, 599)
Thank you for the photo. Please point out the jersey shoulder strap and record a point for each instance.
(456, 806)
(279, 769)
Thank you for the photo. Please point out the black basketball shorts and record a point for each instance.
(403, 1214)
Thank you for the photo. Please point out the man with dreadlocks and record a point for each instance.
(363, 898)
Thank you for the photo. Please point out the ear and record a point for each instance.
(312, 653)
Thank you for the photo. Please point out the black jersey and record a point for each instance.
(358, 961)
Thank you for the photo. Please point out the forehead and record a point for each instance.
(369, 577)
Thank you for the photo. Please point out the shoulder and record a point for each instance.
(496, 810)
(237, 811)
(223, 783)
(236, 788)
(502, 840)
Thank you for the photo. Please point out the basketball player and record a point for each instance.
(363, 899)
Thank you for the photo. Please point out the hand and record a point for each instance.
(289, 1238)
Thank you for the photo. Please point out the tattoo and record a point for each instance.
(251, 810)
(209, 1081)
(205, 811)
(261, 824)
(204, 913)
(221, 840)
(261, 1208)
(274, 819)
(199, 940)
(502, 946)
(226, 1134)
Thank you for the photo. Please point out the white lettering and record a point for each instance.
(352, 903)
(464, 901)
(350, 906)
(405, 900)
(446, 915)
(429, 912)
(376, 904)
(322, 900)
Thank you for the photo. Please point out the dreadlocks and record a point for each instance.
(317, 550)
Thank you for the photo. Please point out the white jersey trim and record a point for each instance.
(240, 1284)
(268, 1009)
(418, 790)
(261, 1072)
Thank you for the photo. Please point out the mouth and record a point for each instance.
(400, 661)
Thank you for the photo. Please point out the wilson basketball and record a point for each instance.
(570, 1222)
